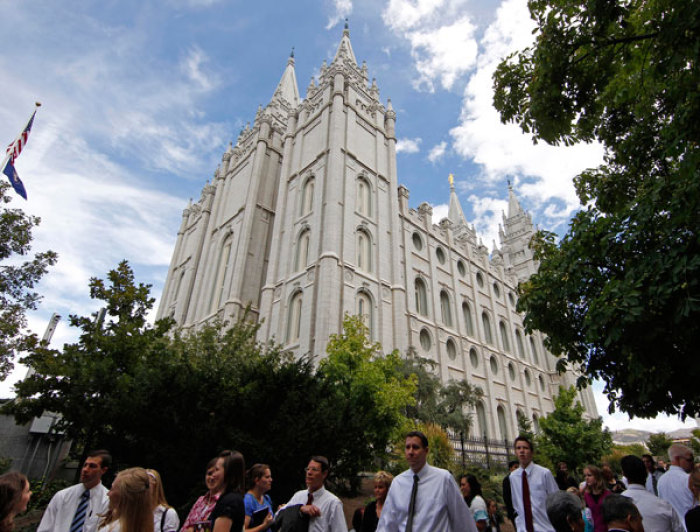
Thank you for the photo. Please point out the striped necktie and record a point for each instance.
(80, 513)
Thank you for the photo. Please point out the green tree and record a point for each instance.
(565, 425)
(524, 425)
(695, 442)
(17, 280)
(368, 396)
(619, 295)
(658, 444)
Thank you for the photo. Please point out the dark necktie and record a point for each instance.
(310, 500)
(527, 504)
(412, 505)
(80, 512)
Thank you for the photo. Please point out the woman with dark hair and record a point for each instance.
(471, 491)
(129, 503)
(229, 513)
(256, 500)
(14, 497)
(198, 517)
(594, 494)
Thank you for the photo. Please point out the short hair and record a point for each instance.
(103, 455)
(384, 477)
(526, 439)
(234, 471)
(678, 450)
(256, 472)
(418, 434)
(325, 466)
(11, 487)
(617, 507)
(512, 463)
(634, 469)
(562, 506)
(650, 457)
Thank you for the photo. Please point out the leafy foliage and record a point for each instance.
(17, 280)
(658, 444)
(565, 425)
(620, 294)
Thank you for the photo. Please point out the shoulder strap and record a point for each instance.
(162, 519)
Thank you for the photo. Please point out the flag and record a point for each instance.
(13, 151)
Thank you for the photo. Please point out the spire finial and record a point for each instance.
(292, 54)
(347, 27)
(451, 179)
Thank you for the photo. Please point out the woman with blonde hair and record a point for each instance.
(165, 518)
(130, 508)
(373, 511)
(594, 494)
(14, 497)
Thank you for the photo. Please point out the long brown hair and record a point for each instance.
(11, 487)
(599, 484)
(133, 509)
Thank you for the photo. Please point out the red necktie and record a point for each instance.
(527, 504)
(310, 500)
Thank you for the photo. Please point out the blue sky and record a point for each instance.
(141, 98)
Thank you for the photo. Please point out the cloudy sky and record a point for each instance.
(140, 98)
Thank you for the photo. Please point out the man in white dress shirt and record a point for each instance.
(529, 486)
(658, 515)
(424, 498)
(673, 485)
(77, 509)
(324, 509)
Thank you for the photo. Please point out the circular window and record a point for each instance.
(511, 371)
(460, 268)
(440, 255)
(528, 380)
(511, 298)
(425, 341)
(473, 357)
(494, 365)
(496, 290)
(417, 241)
(541, 382)
(451, 350)
(479, 279)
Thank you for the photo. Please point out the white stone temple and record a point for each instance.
(305, 221)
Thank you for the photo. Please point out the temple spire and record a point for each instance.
(455, 213)
(345, 48)
(513, 203)
(287, 87)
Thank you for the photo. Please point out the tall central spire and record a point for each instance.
(345, 48)
(455, 213)
(287, 87)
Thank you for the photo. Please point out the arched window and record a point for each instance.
(504, 336)
(218, 288)
(421, 297)
(364, 251)
(301, 258)
(468, 323)
(519, 344)
(294, 318)
(481, 418)
(364, 310)
(486, 322)
(502, 425)
(451, 349)
(307, 197)
(364, 197)
(535, 357)
(445, 308)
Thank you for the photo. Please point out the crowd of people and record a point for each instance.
(423, 498)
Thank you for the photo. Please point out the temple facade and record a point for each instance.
(305, 221)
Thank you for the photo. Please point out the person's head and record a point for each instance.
(156, 488)
(470, 487)
(259, 478)
(634, 469)
(130, 500)
(214, 478)
(523, 450)
(96, 464)
(620, 512)
(492, 507)
(561, 466)
(593, 476)
(564, 512)
(681, 456)
(574, 491)
(513, 465)
(14, 497)
(694, 482)
(608, 474)
(649, 463)
(232, 464)
(382, 483)
(482, 519)
(316, 472)
(416, 450)
(661, 463)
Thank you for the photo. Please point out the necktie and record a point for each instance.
(310, 500)
(412, 505)
(527, 504)
(80, 512)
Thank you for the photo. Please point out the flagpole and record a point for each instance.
(9, 155)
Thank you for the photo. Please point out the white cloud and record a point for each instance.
(441, 38)
(408, 145)
(488, 213)
(437, 152)
(193, 67)
(343, 8)
(440, 211)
